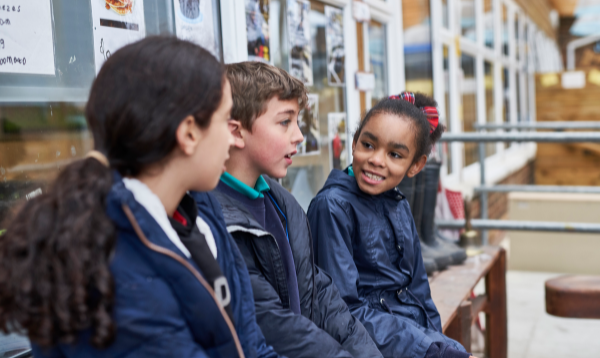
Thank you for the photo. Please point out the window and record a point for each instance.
(469, 104)
(504, 29)
(467, 19)
(327, 122)
(417, 46)
(488, 20)
(490, 109)
(377, 59)
(446, 146)
(445, 22)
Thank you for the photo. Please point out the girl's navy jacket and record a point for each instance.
(163, 306)
(369, 246)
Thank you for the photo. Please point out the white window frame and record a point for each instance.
(388, 13)
(503, 163)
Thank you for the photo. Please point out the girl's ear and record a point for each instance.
(417, 166)
(188, 135)
(238, 133)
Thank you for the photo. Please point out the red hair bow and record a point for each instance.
(432, 114)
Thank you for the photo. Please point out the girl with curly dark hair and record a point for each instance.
(116, 259)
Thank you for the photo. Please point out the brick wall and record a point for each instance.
(498, 202)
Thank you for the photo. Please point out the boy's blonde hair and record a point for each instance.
(253, 84)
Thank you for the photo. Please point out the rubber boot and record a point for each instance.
(456, 254)
(414, 190)
(430, 266)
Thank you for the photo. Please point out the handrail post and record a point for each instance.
(483, 196)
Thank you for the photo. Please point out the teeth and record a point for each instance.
(373, 176)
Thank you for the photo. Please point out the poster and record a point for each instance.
(257, 29)
(308, 121)
(338, 155)
(116, 23)
(26, 42)
(195, 22)
(334, 37)
(298, 13)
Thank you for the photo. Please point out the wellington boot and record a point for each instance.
(441, 258)
(455, 254)
(430, 266)
(458, 254)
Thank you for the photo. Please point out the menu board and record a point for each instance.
(116, 23)
(26, 41)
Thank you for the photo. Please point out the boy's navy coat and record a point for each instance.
(369, 246)
(325, 327)
(161, 307)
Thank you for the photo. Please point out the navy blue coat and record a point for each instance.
(163, 306)
(369, 246)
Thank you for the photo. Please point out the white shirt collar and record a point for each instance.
(155, 208)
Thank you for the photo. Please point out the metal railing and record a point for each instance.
(484, 223)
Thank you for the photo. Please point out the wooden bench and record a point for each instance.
(573, 296)
(451, 291)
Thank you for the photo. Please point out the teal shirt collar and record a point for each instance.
(351, 171)
(251, 193)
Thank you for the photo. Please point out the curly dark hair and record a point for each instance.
(424, 140)
(55, 279)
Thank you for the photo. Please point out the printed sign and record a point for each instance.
(26, 42)
(116, 23)
(336, 56)
(195, 22)
(257, 29)
(299, 36)
(338, 155)
(308, 121)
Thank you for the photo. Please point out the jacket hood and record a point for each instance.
(341, 179)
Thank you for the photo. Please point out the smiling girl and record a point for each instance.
(365, 235)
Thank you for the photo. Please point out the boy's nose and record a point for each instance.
(297, 136)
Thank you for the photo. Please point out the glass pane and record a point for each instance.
(505, 100)
(467, 19)
(469, 104)
(504, 30)
(490, 148)
(308, 172)
(377, 57)
(488, 19)
(518, 90)
(517, 34)
(445, 14)
(417, 46)
(446, 147)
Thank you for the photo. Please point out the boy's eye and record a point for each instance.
(285, 123)
(367, 145)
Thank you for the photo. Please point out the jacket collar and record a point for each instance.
(344, 179)
(120, 196)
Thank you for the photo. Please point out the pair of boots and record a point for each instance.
(421, 193)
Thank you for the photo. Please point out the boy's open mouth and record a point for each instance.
(372, 178)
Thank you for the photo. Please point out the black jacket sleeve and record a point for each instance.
(334, 316)
(292, 335)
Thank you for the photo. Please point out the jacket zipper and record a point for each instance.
(174, 256)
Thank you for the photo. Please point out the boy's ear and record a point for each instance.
(417, 166)
(188, 135)
(238, 133)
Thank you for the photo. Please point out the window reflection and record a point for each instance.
(447, 147)
(469, 104)
(378, 61)
(467, 19)
(488, 20)
(490, 148)
(417, 46)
